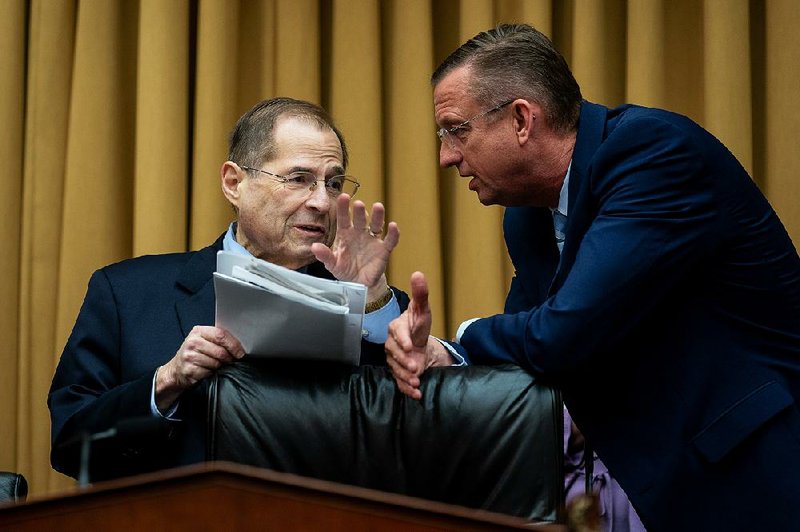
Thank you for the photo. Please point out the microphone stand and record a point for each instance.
(86, 445)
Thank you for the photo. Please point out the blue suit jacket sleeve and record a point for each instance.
(86, 390)
(650, 220)
(671, 323)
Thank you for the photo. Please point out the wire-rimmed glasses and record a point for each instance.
(449, 134)
(300, 180)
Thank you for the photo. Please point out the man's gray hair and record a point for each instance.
(517, 61)
(252, 141)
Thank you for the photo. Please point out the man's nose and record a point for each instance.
(318, 197)
(448, 156)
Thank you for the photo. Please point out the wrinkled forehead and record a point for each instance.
(300, 139)
(452, 101)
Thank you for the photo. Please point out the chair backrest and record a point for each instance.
(13, 487)
(481, 437)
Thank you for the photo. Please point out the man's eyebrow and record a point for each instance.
(294, 169)
(442, 122)
(335, 170)
(450, 121)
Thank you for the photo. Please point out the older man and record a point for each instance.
(654, 284)
(144, 340)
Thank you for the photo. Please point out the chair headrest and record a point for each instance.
(13, 486)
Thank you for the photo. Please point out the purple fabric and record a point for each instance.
(616, 512)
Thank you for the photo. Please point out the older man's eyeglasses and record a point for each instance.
(306, 181)
(450, 135)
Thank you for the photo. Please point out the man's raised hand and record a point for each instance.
(360, 251)
(410, 349)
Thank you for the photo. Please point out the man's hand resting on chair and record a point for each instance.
(410, 349)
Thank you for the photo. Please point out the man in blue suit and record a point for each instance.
(144, 342)
(654, 285)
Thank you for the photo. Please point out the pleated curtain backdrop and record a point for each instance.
(115, 115)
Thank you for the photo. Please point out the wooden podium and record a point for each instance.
(225, 496)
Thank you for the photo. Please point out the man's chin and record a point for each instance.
(485, 196)
(302, 259)
(299, 252)
(488, 196)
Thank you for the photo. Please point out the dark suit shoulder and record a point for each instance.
(649, 124)
(145, 263)
(629, 112)
(165, 267)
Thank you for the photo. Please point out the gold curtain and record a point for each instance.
(115, 115)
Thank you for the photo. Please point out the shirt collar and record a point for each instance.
(563, 195)
(229, 243)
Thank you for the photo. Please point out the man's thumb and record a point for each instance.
(419, 291)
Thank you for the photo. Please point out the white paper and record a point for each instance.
(277, 312)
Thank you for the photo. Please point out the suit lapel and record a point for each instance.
(532, 247)
(197, 281)
(591, 129)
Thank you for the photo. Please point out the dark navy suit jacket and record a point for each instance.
(134, 317)
(671, 321)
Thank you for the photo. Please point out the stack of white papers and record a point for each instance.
(278, 312)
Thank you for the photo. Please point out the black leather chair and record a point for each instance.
(13, 487)
(481, 437)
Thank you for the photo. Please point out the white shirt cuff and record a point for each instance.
(463, 328)
(459, 359)
(154, 408)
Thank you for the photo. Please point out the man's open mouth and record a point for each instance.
(311, 229)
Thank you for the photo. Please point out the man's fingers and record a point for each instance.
(232, 344)
(222, 338)
(324, 254)
(392, 236)
(203, 360)
(343, 212)
(407, 383)
(399, 340)
(401, 359)
(410, 391)
(420, 314)
(408, 387)
(359, 216)
(207, 354)
(192, 373)
(377, 218)
(402, 374)
(396, 355)
(419, 291)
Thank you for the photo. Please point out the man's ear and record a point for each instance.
(524, 114)
(232, 176)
